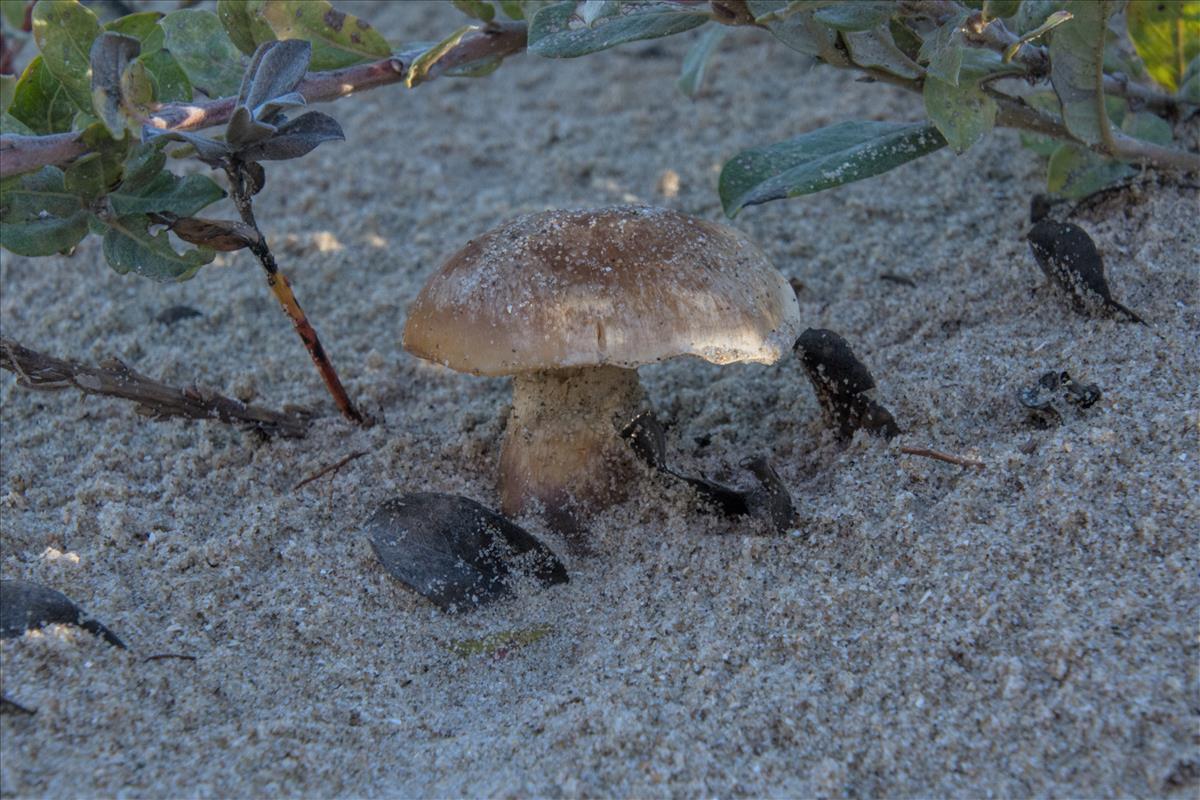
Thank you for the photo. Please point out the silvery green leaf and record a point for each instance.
(268, 111)
(943, 51)
(276, 70)
(296, 138)
(243, 129)
(210, 151)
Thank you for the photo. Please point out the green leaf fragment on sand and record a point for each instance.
(822, 159)
(495, 643)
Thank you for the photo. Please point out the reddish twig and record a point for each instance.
(925, 452)
(278, 283)
(331, 468)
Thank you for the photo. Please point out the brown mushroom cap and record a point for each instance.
(626, 285)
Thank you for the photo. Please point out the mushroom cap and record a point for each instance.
(626, 286)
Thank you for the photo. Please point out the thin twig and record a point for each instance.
(164, 656)
(925, 452)
(331, 468)
(112, 378)
(291, 306)
(498, 39)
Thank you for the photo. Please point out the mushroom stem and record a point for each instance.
(562, 447)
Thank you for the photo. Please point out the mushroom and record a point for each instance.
(570, 303)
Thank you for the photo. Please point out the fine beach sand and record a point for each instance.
(1025, 629)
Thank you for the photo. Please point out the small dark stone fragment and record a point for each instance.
(1044, 398)
(454, 551)
(842, 384)
(174, 314)
(25, 605)
(1069, 260)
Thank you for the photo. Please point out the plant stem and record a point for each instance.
(20, 154)
(283, 293)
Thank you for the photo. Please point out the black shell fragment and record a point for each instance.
(769, 500)
(25, 605)
(842, 383)
(454, 551)
(1069, 259)
(1044, 398)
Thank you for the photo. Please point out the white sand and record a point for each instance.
(1027, 629)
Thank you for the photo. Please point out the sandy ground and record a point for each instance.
(1026, 629)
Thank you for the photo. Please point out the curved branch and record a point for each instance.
(496, 40)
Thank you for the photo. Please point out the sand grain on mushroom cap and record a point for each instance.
(571, 303)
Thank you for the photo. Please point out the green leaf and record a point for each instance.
(691, 75)
(93, 175)
(246, 30)
(10, 124)
(8, 91)
(512, 9)
(142, 165)
(943, 51)
(13, 13)
(556, 31)
(794, 25)
(166, 192)
(963, 113)
(1190, 89)
(1148, 127)
(1076, 172)
(40, 101)
(1042, 145)
(111, 54)
(1166, 34)
(479, 9)
(877, 49)
(338, 39)
(421, 65)
(822, 159)
(64, 31)
(142, 26)
(203, 50)
(862, 15)
(171, 84)
(138, 85)
(38, 216)
(1077, 69)
(130, 247)
(1052, 22)
(999, 9)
